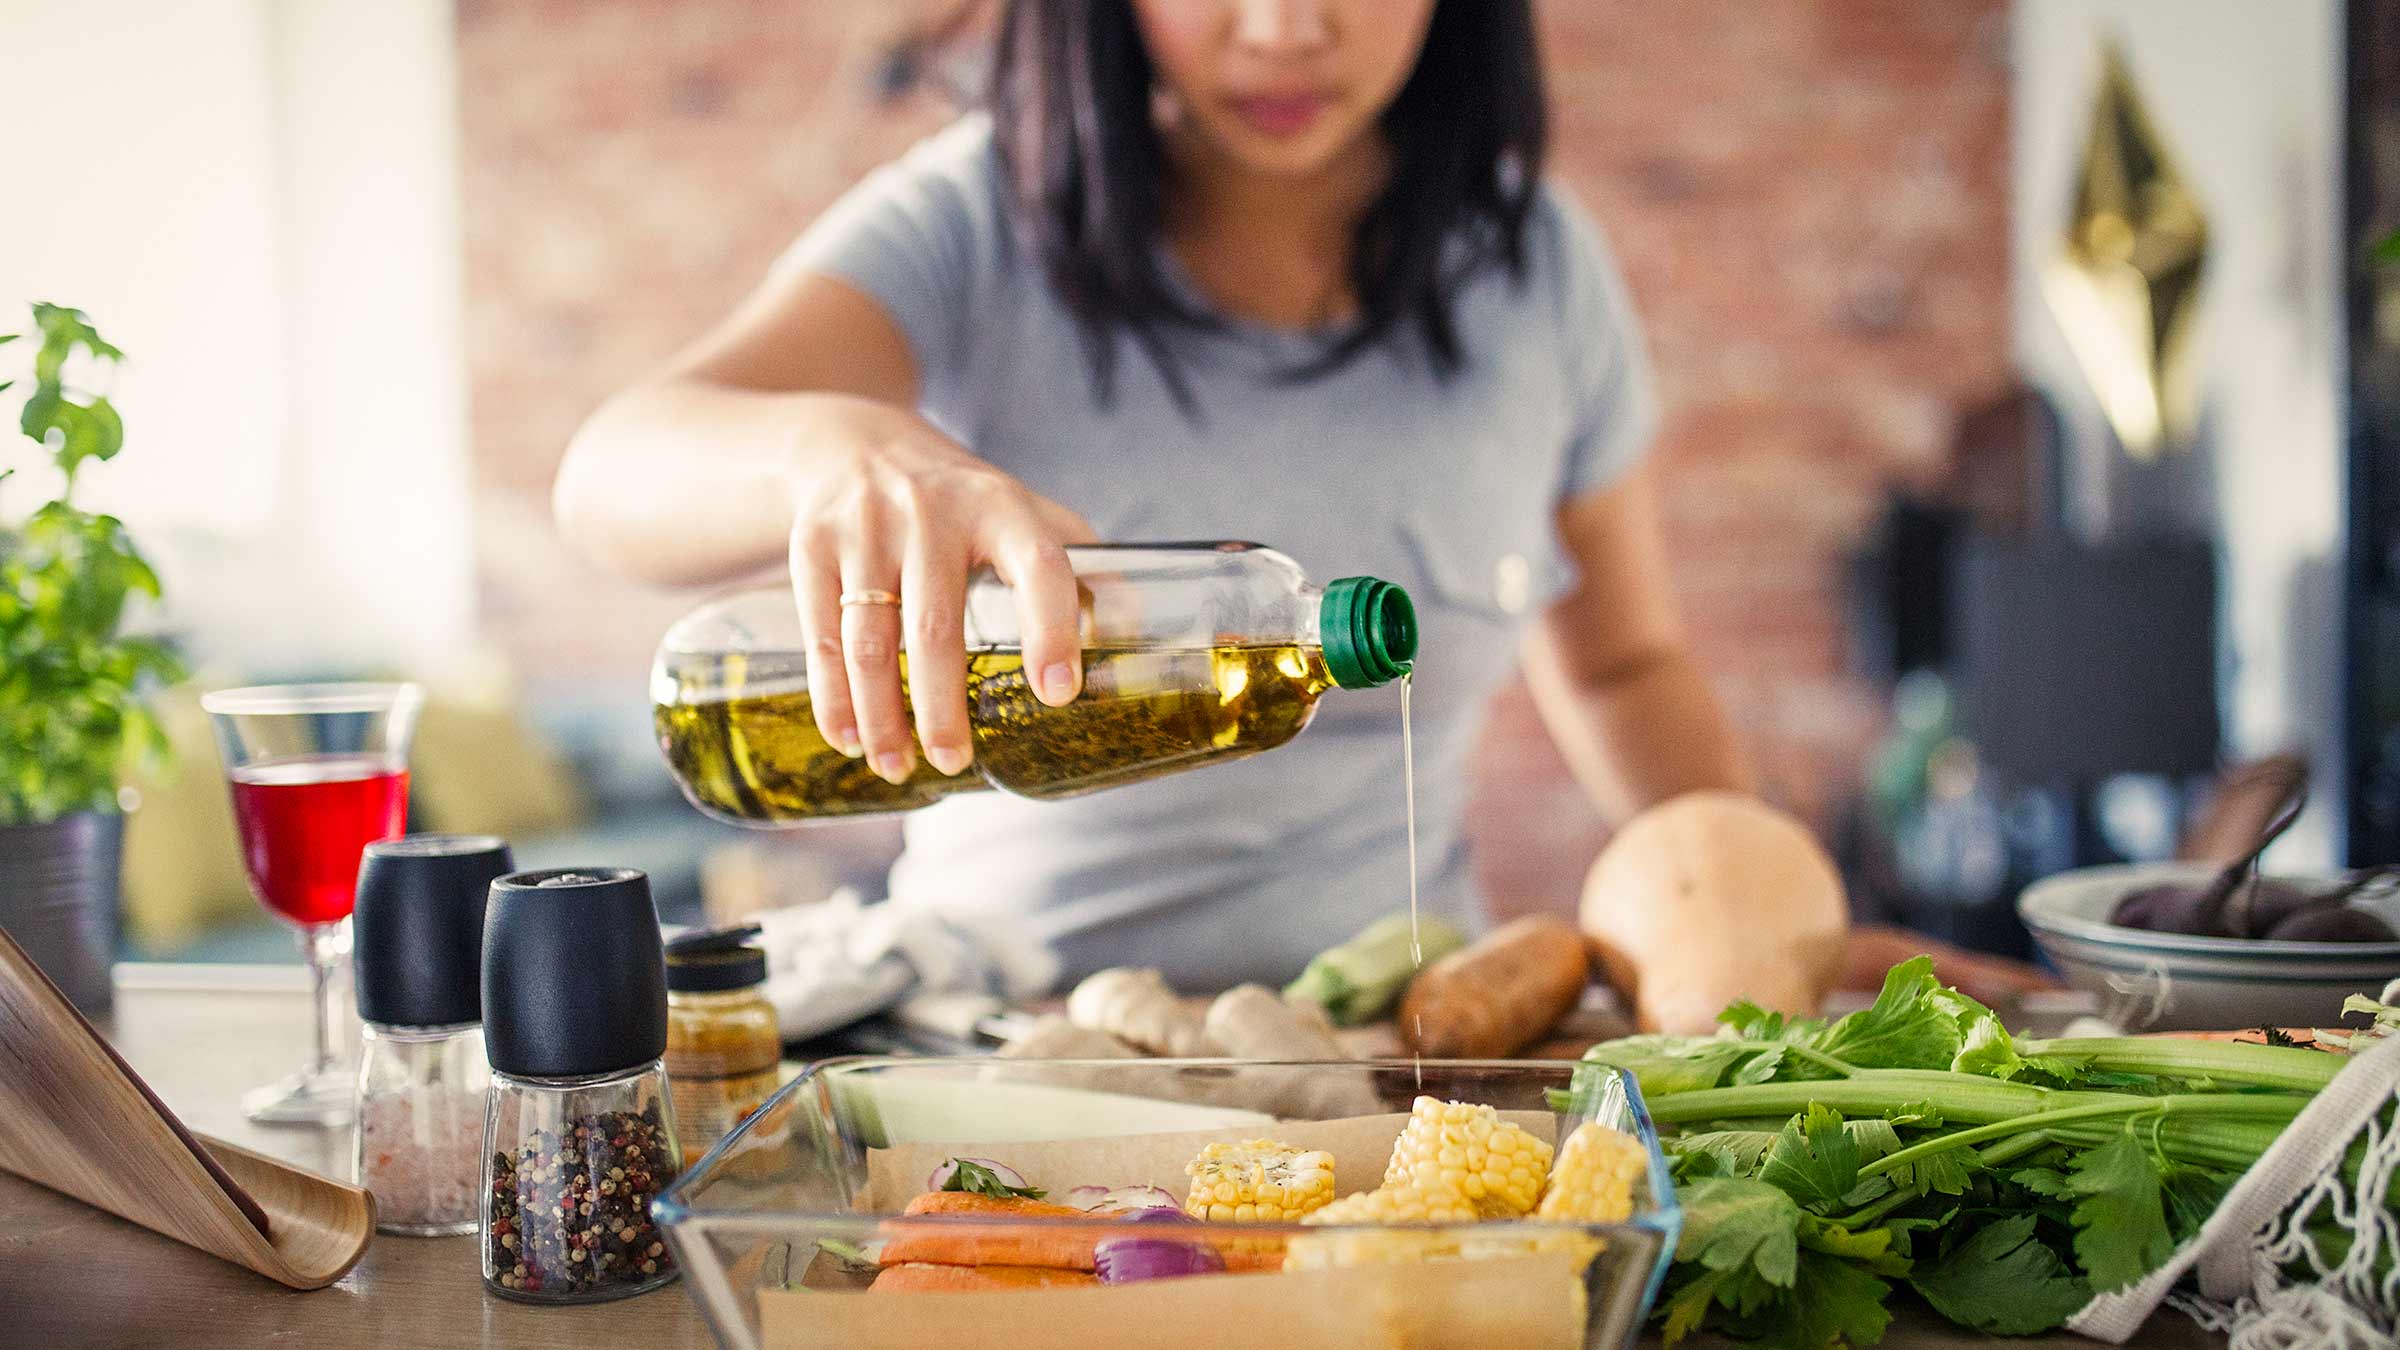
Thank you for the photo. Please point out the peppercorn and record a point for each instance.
(561, 1197)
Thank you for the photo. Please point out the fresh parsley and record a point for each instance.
(2002, 1279)
(2120, 1212)
(968, 1175)
(1814, 1160)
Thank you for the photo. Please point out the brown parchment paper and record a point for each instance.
(1533, 1301)
(1512, 1303)
(1360, 1145)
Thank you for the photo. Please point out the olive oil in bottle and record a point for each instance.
(741, 736)
(1196, 654)
(1142, 714)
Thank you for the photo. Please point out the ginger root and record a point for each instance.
(1136, 1006)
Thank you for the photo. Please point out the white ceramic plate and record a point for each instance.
(2175, 982)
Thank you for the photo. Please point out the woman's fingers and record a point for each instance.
(817, 587)
(1049, 610)
(871, 651)
(933, 590)
(880, 556)
(1061, 522)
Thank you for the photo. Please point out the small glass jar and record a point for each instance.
(579, 1135)
(573, 1164)
(417, 1132)
(724, 1054)
(420, 1126)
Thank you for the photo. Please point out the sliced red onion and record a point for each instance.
(1121, 1197)
(1150, 1214)
(1008, 1175)
(1126, 1260)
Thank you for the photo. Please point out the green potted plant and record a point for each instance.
(73, 684)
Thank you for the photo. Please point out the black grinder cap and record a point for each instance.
(713, 960)
(574, 981)
(417, 931)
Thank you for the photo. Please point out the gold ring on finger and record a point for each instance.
(850, 598)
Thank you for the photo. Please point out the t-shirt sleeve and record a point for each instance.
(1615, 410)
(919, 235)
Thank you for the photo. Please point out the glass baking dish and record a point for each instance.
(776, 1228)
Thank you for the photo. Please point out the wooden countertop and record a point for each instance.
(71, 1276)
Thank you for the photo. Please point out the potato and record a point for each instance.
(1498, 994)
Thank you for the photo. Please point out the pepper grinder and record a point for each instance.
(579, 1131)
(418, 958)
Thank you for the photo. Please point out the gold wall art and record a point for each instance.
(2125, 280)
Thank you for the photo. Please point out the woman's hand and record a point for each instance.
(788, 432)
(884, 502)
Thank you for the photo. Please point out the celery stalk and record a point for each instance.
(2190, 1104)
(2222, 1129)
(2278, 1066)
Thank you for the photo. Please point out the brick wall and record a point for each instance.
(1808, 198)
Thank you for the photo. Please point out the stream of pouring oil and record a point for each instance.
(1408, 780)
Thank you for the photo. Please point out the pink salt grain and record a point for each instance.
(421, 1155)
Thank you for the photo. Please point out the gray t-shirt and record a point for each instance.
(1450, 488)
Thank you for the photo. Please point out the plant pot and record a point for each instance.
(58, 899)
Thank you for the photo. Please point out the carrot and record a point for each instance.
(985, 1206)
(978, 1244)
(1499, 994)
(925, 1278)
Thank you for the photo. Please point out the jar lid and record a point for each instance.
(713, 960)
(417, 931)
(574, 979)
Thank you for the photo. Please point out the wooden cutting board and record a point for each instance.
(74, 1118)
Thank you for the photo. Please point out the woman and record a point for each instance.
(1283, 270)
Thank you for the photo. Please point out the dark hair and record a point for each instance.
(1071, 104)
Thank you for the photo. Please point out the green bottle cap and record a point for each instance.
(1369, 629)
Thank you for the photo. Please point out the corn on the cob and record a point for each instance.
(1260, 1181)
(1396, 1204)
(1594, 1177)
(1580, 1247)
(1374, 1247)
(1468, 1152)
(1391, 1246)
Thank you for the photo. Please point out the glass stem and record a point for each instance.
(320, 946)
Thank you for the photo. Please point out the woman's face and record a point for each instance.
(1281, 87)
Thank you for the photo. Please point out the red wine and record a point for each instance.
(305, 821)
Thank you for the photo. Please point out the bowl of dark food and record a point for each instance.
(2183, 947)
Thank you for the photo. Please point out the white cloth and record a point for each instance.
(2247, 1251)
(835, 962)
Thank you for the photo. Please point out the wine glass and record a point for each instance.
(318, 772)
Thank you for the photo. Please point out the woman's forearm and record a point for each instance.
(695, 475)
(680, 481)
(1640, 732)
(1611, 670)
